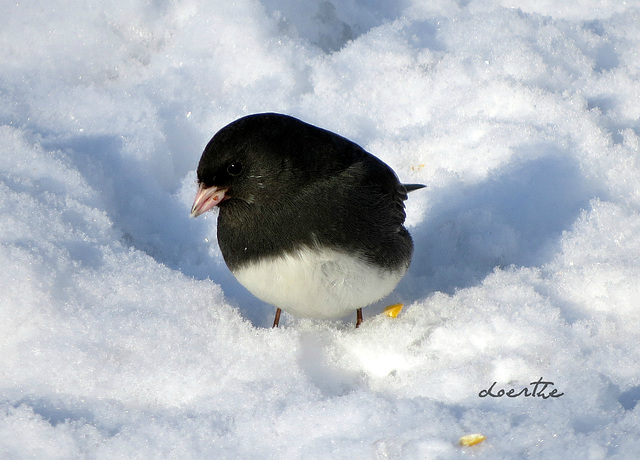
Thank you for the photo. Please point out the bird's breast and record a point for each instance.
(317, 282)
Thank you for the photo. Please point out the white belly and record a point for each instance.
(317, 283)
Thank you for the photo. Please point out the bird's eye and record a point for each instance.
(234, 169)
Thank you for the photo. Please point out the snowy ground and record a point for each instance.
(122, 334)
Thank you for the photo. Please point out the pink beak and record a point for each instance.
(206, 199)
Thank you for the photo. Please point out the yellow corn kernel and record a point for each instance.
(472, 439)
(392, 310)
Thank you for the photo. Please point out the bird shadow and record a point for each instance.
(515, 217)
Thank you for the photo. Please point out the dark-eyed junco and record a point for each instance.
(309, 221)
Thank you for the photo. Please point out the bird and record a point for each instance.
(308, 221)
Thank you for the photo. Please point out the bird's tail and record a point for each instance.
(412, 187)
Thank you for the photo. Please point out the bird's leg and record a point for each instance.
(276, 320)
(358, 317)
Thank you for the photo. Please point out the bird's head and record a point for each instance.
(247, 161)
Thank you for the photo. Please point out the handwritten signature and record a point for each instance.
(537, 389)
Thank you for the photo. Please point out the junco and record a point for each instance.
(309, 221)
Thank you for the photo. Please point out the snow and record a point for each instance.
(122, 333)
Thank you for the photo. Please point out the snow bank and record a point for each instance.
(122, 334)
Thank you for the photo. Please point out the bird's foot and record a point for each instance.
(358, 317)
(276, 320)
